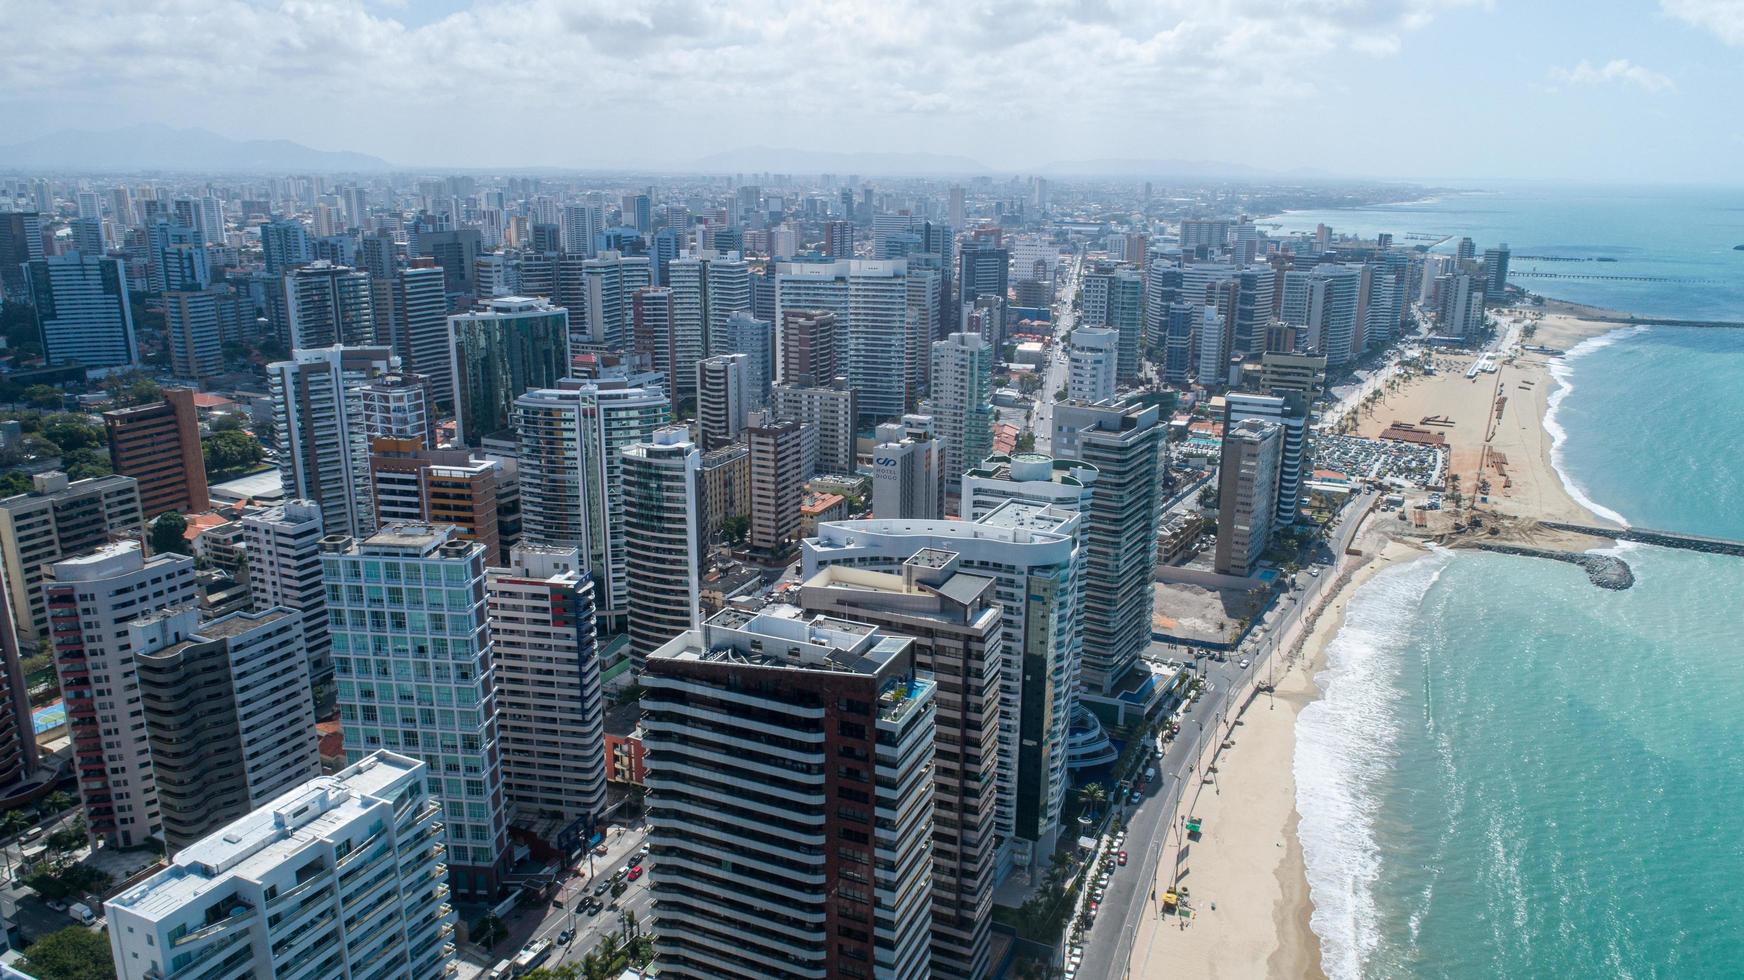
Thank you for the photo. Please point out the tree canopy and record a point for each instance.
(166, 533)
(73, 953)
(231, 453)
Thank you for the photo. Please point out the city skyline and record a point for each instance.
(1035, 87)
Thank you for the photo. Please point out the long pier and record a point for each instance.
(1664, 539)
(1656, 321)
(1526, 274)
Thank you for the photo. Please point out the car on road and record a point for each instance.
(564, 937)
(1244, 665)
(557, 902)
(56, 905)
(1120, 859)
(1135, 797)
(594, 908)
(635, 872)
(603, 887)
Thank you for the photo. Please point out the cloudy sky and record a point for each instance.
(1604, 89)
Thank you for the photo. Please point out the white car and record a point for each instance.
(1244, 665)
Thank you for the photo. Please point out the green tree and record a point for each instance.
(73, 953)
(71, 432)
(44, 397)
(13, 483)
(85, 464)
(231, 453)
(166, 534)
(1094, 797)
(226, 422)
(736, 528)
(490, 929)
(567, 971)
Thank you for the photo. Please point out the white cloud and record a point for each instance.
(1616, 70)
(1723, 18)
(678, 73)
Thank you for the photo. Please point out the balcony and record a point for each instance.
(240, 911)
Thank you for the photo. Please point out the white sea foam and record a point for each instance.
(1344, 747)
(1562, 370)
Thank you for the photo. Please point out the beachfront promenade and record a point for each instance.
(1154, 829)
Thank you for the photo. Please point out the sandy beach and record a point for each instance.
(1497, 432)
(1249, 861)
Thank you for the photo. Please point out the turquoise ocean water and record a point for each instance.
(1513, 773)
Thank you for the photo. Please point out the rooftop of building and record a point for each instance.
(785, 636)
(253, 844)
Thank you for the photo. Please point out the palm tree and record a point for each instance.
(591, 968)
(1094, 796)
(609, 947)
(58, 802)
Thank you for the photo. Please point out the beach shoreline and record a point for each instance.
(1250, 854)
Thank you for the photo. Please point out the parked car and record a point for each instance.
(635, 872)
(1120, 859)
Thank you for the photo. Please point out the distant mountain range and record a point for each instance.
(1117, 167)
(152, 146)
(791, 160)
(757, 159)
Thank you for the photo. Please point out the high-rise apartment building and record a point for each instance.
(743, 334)
(159, 446)
(513, 346)
(777, 484)
(961, 403)
(1289, 409)
(329, 304)
(20, 243)
(954, 619)
(19, 759)
(1092, 364)
(721, 399)
(284, 245)
(1124, 443)
(1032, 552)
(870, 300)
(828, 407)
(610, 282)
(1247, 492)
(663, 538)
(570, 442)
(337, 877)
(809, 344)
(409, 483)
(55, 520)
(790, 784)
(908, 471)
(416, 326)
(82, 310)
(283, 545)
(228, 714)
(1114, 297)
(549, 699)
(1322, 304)
(415, 674)
(195, 323)
(1496, 271)
(92, 600)
(399, 405)
(318, 425)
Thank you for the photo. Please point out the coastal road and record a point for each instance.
(1155, 828)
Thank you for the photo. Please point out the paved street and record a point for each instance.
(1054, 377)
(528, 925)
(1156, 823)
